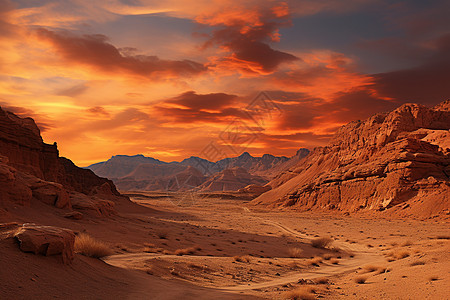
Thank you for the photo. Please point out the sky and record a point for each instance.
(178, 78)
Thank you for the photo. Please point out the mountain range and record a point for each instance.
(138, 172)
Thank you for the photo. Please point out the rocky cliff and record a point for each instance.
(32, 170)
(397, 160)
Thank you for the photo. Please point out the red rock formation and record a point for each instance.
(32, 170)
(47, 240)
(376, 164)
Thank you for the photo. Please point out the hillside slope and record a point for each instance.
(396, 160)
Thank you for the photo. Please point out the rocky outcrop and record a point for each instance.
(32, 170)
(47, 240)
(376, 164)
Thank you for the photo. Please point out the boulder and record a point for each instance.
(47, 240)
(75, 215)
(51, 193)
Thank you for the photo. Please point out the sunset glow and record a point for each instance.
(165, 78)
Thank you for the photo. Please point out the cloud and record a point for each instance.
(426, 83)
(96, 52)
(73, 91)
(98, 111)
(191, 107)
(192, 100)
(244, 33)
(43, 122)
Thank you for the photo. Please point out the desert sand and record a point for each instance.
(226, 248)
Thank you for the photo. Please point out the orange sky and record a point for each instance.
(167, 78)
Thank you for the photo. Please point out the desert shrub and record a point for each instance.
(360, 279)
(334, 261)
(322, 280)
(302, 293)
(162, 235)
(187, 251)
(433, 278)
(295, 252)
(417, 263)
(88, 246)
(315, 261)
(327, 256)
(243, 258)
(322, 242)
(399, 254)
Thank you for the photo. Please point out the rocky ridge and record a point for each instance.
(399, 159)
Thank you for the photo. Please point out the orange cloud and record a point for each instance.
(243, 34)
(97, 53)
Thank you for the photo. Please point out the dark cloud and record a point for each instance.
(95, 51)
(200, 108)
(43, 122)
(247, 40)
(427, 84)
(195, 101)
(98, 110)
(6, 28)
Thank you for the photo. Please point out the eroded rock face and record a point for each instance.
(47, 240)
(32, 170)
(376, 164)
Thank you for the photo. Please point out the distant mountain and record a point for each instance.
(231, 179)
(121, 165)
(146, 173)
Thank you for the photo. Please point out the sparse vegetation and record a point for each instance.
(315, 261)
(433, 278)
(417, 263)
(88, 246)
(334, 261)
(360, 279)
(243, 258)
(295, 252)
(187, 251)
(302, 293)
(322, 242)
(399, 254)
(162, 235)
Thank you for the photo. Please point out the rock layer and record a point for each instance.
(32, 170)
(376, 164)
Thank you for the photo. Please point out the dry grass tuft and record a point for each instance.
(88, 246)
(162, 235)
(360, 279)
(295, 252)
(399, 254)
(302, 293)
(243, 258)
(322, 242)
(334, 261)
(315, 261)
(322, 280)
(187, 251)
(372, 268)
(327, 256)
(417, 263)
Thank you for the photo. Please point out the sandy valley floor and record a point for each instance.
(220, 247)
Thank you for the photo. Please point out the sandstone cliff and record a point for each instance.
(32, 170)
(398, 160)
